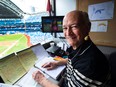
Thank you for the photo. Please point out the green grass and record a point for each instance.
(7, 41)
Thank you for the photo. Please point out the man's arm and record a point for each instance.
(62, 62)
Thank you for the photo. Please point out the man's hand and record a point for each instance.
(38, 76)
(50, 65)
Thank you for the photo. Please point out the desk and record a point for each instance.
(26, 80)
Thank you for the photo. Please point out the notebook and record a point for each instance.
(55, 73)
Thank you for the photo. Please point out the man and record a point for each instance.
(86, 65)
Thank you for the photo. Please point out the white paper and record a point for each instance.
(28, 81)
(7, 85)
(101, 11)
(40, 52)
(99, 26)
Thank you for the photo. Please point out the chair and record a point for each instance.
(112, 60)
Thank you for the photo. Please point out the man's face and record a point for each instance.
(72, 32)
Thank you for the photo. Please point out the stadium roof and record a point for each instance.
(20, 8)
(9, 10)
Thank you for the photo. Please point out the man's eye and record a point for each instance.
(64, 28)
(74, 26)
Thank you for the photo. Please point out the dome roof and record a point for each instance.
(9, 10)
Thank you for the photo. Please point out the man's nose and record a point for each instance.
(69, 31)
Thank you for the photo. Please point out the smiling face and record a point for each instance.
(74, 32)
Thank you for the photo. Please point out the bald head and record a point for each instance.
(71, 16)
(79, 17)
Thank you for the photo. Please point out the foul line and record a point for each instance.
(2, 54)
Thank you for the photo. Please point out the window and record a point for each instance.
(31, 6)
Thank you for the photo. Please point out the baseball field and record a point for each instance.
(13, 43)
